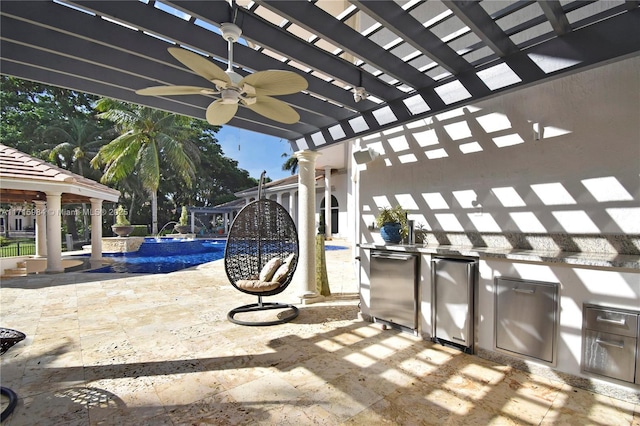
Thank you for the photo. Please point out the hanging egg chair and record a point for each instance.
(261, 256)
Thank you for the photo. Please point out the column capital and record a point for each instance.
(306, 155)
(96, 200)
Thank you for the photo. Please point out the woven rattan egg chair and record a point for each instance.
(262, 236)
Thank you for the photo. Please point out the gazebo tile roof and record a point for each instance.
(32, 173)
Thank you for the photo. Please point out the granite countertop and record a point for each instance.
(601, 260)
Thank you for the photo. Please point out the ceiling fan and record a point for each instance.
(254, 91)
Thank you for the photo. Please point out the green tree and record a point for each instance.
(150, 142)
(27, 108)
(218, 176)
(77, 141)
(290, 164)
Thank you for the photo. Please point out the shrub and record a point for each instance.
(139, 231)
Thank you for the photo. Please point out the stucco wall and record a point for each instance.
(481, 168)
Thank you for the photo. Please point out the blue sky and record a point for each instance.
(255, 152)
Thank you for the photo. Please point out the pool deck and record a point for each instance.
(114, 349)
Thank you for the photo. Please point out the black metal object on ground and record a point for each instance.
(8, 338)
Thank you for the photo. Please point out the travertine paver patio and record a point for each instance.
(157, 349)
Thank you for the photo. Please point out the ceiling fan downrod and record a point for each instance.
(231, 33)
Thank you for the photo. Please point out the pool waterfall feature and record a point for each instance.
(121, 244)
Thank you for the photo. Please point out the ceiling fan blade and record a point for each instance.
(219, 113)
(275, 82)
(274, 109)
(176, 90)
(199, 65)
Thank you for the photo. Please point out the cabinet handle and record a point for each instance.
(392, 256)
(457, 338)
(524, 291)
(621, 321)
(619, 345)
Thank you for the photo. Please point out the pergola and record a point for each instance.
(26, 179)
(414, 58)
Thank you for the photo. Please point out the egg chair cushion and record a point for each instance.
(269, 269)
(258, 285)
(283, 271)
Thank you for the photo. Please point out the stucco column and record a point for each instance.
(54, 236)
(96, 229)
(193, 221)
(306, 223)
(279, 198)
(41, 228)
(327, 202)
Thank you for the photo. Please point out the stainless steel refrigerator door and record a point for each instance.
(394, 288)
(453, 299)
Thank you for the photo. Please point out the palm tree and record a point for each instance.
(77, 141)
(150, 143)
(291, 164)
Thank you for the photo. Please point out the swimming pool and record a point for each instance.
(164, 255)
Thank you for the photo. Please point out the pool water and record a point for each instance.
(166, 255)
(163, 256)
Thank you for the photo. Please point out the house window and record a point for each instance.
(18, 221)
(334, 213)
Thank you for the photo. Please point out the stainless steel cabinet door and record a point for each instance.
(526, 317)
(453, 299)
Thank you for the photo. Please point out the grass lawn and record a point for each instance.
(18, 248)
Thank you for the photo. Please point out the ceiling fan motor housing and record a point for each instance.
(230, 32)
(230, 96)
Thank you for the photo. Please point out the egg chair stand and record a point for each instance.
(262, 235)
(262, 306)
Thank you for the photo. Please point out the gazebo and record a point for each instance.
(26, 179)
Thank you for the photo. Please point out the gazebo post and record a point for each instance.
(54, 236)
(41, 228)
(96, 230)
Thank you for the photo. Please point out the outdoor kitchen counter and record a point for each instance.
(599, 260)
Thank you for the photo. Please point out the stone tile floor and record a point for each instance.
(111, 349)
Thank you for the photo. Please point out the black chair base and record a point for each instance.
(13, 401)
(255, 307)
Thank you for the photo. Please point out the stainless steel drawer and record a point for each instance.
(612, 321)
(610, 355)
